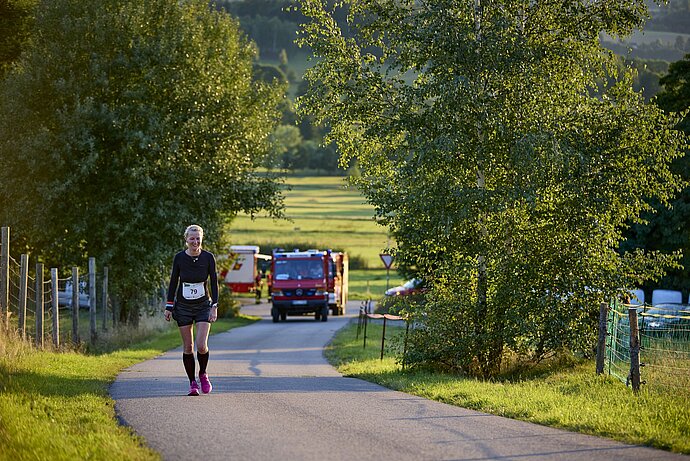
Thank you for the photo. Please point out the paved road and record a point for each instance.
(276, 398)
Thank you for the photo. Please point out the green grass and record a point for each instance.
(371, 283)
(568, 395)
(108, 339)
(55, 405)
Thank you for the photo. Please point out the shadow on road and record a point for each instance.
(168, 386)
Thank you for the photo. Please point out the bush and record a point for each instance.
(228, 307)
(401, 305)
(358, 262)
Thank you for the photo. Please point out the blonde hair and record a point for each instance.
(193, 228)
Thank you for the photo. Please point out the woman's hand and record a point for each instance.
(213, 316)
(167, 314)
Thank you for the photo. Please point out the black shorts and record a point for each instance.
(186, 314)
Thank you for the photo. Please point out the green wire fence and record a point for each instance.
(663, 335)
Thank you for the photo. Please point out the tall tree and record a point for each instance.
(666, 228)
(124, 122)
(504, 172)
(16, 17)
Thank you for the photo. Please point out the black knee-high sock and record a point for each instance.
(189, 365)
(203, 361)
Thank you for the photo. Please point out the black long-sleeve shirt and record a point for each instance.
(193, 270)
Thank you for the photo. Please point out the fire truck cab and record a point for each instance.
(300, 283)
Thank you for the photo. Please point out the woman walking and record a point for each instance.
(189, 302)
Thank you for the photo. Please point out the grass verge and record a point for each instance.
(55, 405)
(566, 395)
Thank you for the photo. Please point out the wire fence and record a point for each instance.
(663, 335)
(366, 315)
(47, 306)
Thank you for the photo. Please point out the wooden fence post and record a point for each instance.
(54, 305)
(75, 305)
(92, 298)
(5, 275)
(634, 350)
(383, 336)
(104, 298)
(366, 320)
(601, 343)
(407, 331)
(23, 292)
(39, 305)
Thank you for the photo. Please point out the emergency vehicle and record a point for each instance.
(241, 276)
(301, 281)
(338, 282)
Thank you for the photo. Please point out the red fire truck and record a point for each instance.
(302, 282)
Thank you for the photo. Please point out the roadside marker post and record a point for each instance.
(387, 262)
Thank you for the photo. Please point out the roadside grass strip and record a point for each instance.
(55, 405)
(567, 395)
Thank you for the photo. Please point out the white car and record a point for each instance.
(65, 297)
(411, 287)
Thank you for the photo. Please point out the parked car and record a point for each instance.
(636, 297)
(411, 287)
(666, 297)
(667, 320)
(65, 297)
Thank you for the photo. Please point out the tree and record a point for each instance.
(666, 228)
(16, 17)
(124, 122)
(504, 173)
(675, 96)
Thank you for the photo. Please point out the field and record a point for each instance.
(649, 36)
(323, 212)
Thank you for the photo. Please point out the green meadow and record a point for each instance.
(323, 211)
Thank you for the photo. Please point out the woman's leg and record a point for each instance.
(202, 330)
(188, 352)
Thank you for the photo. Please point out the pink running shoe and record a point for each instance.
(193, 388)
(206, 386)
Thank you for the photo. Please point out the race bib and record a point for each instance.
(193, 290)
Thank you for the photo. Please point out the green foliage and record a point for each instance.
(647, 74)
(228, 306)
(665, 227)
(675, 96)
(505, 175)
(16, 18)
(123, 123)
(271, 29)
(269, 74)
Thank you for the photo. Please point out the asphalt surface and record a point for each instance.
(276, 398)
